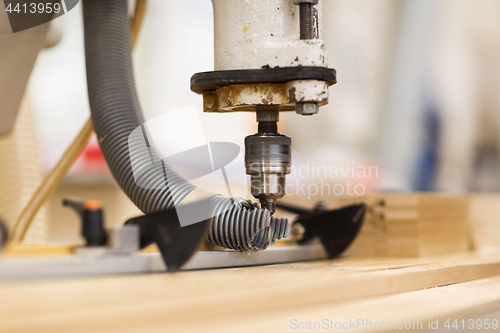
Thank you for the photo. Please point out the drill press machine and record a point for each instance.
(269, 58)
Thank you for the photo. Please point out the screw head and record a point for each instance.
(306, 109)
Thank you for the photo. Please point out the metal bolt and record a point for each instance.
(306, 18)
(306, 109)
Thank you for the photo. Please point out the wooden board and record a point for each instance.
(189, 300)
(414, 309)
(413, 224)
(484, 222)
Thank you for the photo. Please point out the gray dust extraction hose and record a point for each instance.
(116, 113)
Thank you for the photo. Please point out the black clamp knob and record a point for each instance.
(90, 213)
(3, 235)
(336, 228)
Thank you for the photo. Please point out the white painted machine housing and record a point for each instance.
(252, 34)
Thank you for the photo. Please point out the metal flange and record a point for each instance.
(274, 88)
(272, 96)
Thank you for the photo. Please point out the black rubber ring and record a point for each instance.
(208, 81)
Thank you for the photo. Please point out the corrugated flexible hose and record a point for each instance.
(116, 112)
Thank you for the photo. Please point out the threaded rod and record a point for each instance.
(306, 21)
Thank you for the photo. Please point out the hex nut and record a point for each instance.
(306, 109)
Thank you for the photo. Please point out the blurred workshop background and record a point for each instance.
(418, 97)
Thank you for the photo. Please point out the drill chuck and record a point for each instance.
(268, 161)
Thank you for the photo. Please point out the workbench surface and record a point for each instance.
(275, 298)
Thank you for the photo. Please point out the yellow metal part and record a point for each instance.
(29, 250)
(271, 96)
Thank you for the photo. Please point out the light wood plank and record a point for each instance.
(162, 300)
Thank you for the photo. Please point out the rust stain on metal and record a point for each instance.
(249, 97)
(291, 94)
(230, 94)
(210, 101)
(252, 95)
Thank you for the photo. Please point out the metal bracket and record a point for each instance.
(177, 244)
(335, 228)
